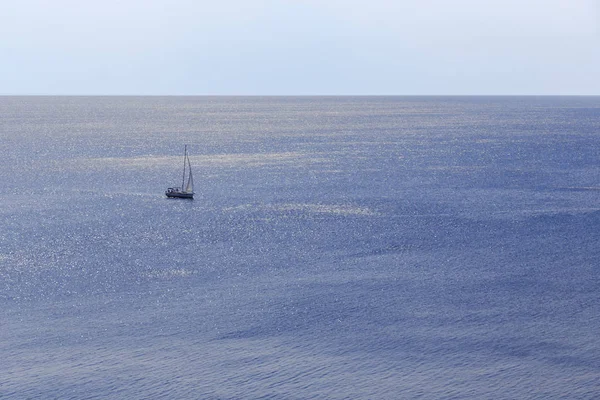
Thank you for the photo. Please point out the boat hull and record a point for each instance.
(179, 195)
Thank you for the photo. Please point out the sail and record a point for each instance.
(190, 183)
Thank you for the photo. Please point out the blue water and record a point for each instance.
(337, 248)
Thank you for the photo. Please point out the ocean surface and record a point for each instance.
(337, 248)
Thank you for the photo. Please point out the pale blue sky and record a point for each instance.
(302, 47)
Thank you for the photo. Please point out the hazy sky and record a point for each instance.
(300, 47)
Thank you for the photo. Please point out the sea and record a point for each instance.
(336, 248)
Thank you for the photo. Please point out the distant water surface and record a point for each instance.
(337, 247)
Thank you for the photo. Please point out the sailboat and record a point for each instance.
(187, 190)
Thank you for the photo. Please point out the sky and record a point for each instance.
(300, 47)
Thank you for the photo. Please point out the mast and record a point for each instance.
(183, 179)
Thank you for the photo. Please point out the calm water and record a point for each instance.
(337, 248)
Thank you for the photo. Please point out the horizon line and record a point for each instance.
(294, 95)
